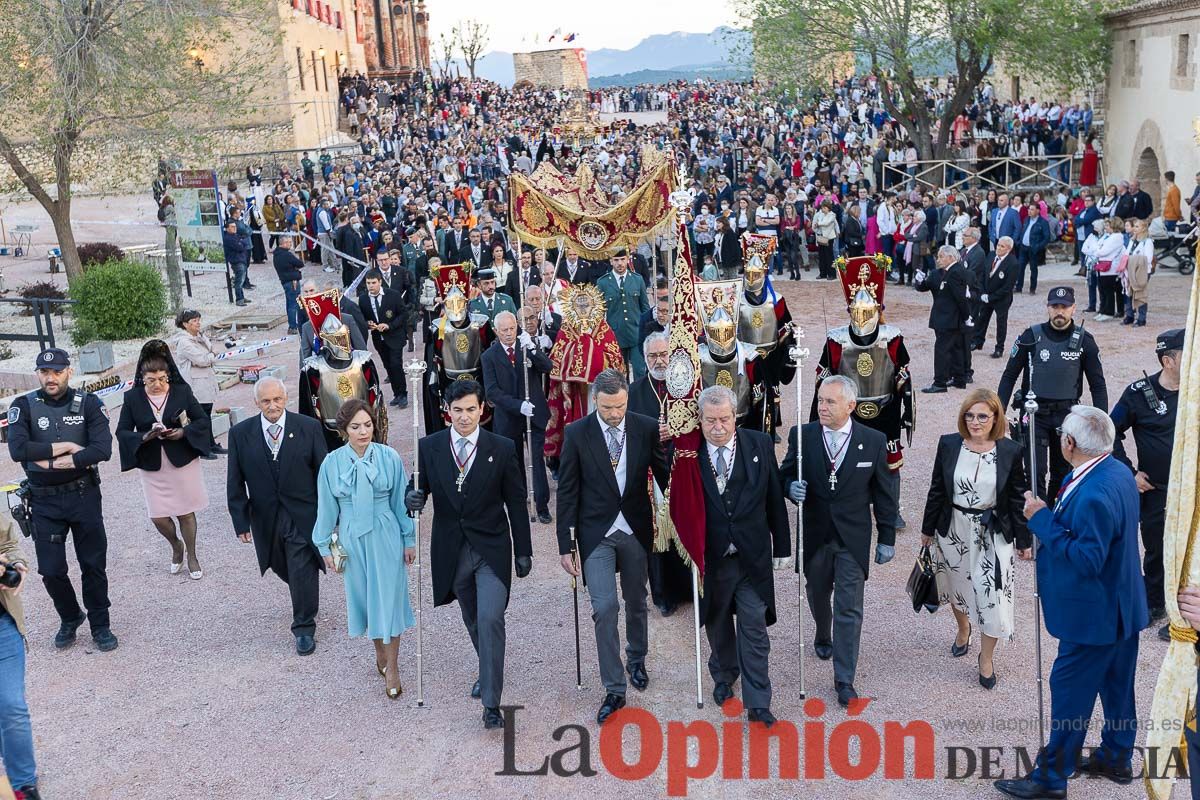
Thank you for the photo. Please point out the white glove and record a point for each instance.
(969, 323)
(983, 297)
(526, 340)
(919, 277)
(781, 563)
(527, 408)
(544, 342)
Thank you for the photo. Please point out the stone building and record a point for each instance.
(395, 36)
(565, 68)
(1151, 95)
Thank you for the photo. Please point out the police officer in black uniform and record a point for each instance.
(1148, 406)
(59, 435)
(1061, 353)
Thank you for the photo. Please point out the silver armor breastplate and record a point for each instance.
(725, 373)
(461, 349)
(757, 325)
(870, 367)
(338, 385)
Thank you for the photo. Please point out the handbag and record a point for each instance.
(921, 586)
(1120, 265)
(1103, 266)
(338, 554)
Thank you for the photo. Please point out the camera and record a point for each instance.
(10, 577)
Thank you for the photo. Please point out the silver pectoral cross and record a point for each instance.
(458, 482)
(832, 481)
(721, 484)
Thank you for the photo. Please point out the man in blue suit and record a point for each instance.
(1003, 221)
(1031, 247)
(1094, 603)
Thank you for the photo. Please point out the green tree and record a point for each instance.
(116, 68)
(793, 42)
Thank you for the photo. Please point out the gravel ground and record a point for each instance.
(206, 698)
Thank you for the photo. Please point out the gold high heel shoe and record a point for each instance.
(381, 670)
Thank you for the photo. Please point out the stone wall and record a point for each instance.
(552, 69)
(115, 165)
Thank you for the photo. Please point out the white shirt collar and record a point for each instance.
(604, 426)
(266, 423)
(730, 447)
(844, 429)
(472, 437)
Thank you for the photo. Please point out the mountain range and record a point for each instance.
(660, 57)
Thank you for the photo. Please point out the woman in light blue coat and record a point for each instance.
(360, 492)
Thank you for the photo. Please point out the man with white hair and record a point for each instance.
(746, 536)
(271, 490)
(842, 476)
(1094, 603)
(996, 296)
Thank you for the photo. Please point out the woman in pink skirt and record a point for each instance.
(162, 432)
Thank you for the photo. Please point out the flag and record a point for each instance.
(686, 492)
(557, 32)
(571, 38)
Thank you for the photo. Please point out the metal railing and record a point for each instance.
(233, 165)
(43, 320)
(1007, 174)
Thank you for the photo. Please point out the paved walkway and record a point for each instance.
(206, 698)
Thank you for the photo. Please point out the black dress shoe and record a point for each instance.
(1097, 767)
(30, 792)
(210, 457)
(395, 402)
(845, 693)
(989, 682)
(492, 719)
(666, 609)
(1156, 615)
(403, 401)
(66, 633)
(957, 650)
(1029, 789)
(104, 639)
(476, 692)
(1164, 633)
(638, 677)
(900, 523)
(544, 517)
(305, 645)
(934, 388)
(611, 703)
(722, 692)
(218, 449)
(997, 354)
(824, 650)
(762, 715)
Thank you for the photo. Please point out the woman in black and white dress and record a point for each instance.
(973, 522)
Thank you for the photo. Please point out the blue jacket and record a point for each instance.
(1084, 220)
(1039, 234)
(1088, 567)
(236, 251)
(1011, 226)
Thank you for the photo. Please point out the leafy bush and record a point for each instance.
(41, 289)
(118, 300)
(189, 250)
(98, 253)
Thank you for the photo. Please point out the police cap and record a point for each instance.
(1061, 296)
(53, 358)
(1169, 340)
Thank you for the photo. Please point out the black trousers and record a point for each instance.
(295, 561)
(1154, 513)
(985, 317)
(79, 513)
(541, 486)
(1048, 447)
(393, 362)
(949, 365)
(670, 578)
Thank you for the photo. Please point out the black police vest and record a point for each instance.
(50, 424)
(1056, 365)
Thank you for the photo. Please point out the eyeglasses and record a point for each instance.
(155, 381)
(969, 417)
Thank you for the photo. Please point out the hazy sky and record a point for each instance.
(606, 23)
